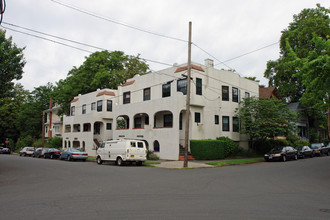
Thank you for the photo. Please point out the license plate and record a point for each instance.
(270, 157)
(132, 155)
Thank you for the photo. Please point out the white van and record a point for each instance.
(122, 151)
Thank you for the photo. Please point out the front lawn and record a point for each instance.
(235, 162)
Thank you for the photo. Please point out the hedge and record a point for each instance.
(207, 149)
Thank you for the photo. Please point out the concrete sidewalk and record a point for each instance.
(179, 164)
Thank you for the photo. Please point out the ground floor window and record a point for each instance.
(225, 123)
(156, 146)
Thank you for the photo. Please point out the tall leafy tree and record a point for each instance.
(29, 119)
(11, 64)
(265, 118)
(282, 72)
(100, 70)
(9, 111)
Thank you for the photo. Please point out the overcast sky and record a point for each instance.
(224, 29)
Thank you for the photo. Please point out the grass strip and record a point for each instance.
(150, 163)
(235, 162)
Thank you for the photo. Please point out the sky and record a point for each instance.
(157, 30)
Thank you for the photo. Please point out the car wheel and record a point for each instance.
(24, 154)
(20, 155)
(296, 157)
(302, 156)
(45, 156)
(119, 161)
(51, 156)
(69, 158)
(99, 160)
(138, 163)
(284, 158)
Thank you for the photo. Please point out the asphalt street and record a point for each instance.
(32, 188)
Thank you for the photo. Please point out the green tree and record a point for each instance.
(265, 118)
(11, 64)
(29, 119)
(282, 72)
(314, 71)
(100, 70)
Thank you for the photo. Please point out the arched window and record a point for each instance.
(156, 146)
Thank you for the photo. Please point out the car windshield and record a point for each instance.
(277, 149)
(315, 147)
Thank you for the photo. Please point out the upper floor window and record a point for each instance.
(73, 109)
(99, 105)
(225, 93)
(146, 94)
(93, 106)
(166, 90)
(182, 86)
(247, 95)
(83, 109)
(216, 119)
(197, 117)
(235, 95)
(126, 97)
(109, 105)
(168, 120)
(225, 123)
(198, 86)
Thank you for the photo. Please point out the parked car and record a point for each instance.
(52, 153)
(26, 151)
(73, 154)
(319, 149)
(39, 152)
(282, 153)
(304, 151)
(122, 151)
(5, 150)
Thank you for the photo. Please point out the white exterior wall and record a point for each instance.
(85, 139)
(209, 104)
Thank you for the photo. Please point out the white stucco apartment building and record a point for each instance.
(90, 121)
(153, 107)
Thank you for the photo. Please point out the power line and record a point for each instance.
(72, 41)
(115, 22)
(47, 39)
(234, 58)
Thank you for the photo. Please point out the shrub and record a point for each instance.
(301, 143)
(231, 148)
(207, 149)
(265, 145)
(151, 155)
(56, 142)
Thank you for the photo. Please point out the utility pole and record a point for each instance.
(43, 129)
(186, 139)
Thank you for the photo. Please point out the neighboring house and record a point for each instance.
(302, 123)
(90, 121)
(53, 123)
(152, 107)
(269, 92)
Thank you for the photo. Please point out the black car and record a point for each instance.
(52, 153)
(319, 149)
(304, 151)
(282, 153)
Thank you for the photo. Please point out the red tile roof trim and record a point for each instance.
(106, 93)
(180, 69)
(74, 100)
(128, 83)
